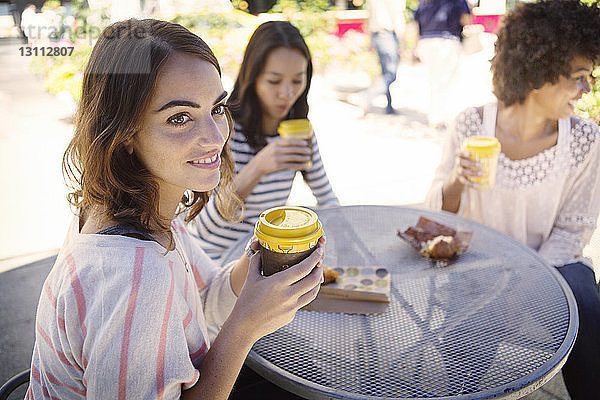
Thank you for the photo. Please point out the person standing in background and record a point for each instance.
(29, 26)
(386, 24)
(440, 30)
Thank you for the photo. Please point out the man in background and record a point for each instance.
(386, 24)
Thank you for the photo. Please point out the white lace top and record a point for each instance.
(549, 201)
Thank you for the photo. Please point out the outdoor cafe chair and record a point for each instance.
(13, 383)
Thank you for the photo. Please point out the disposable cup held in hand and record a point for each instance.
(286, 235)
(296, 129)
(485, 150)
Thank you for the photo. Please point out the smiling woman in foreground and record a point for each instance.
(125, 309)
(547, 192)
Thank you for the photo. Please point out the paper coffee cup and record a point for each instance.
(485, 150)
(286, 235)
(295, 129)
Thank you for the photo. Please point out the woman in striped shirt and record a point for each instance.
(124, 310)
(272, 86)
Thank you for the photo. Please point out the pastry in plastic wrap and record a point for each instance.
(436, 241)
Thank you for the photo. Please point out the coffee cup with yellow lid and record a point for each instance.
(296, 129)
(486, 151)
(286, 236)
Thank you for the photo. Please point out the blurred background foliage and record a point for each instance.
(310, 6)
(227, 35)
(63, 74)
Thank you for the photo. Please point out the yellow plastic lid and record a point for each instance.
(288, 225)
(294, 126)
(484, 146)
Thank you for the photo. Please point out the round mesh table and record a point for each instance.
(497, 323)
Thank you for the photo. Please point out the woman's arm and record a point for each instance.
(463, 169)
(452, 174)
(451, 193)
(576, 220)
(279, 154)
(222, 364)
(317, 179)
(264, 305)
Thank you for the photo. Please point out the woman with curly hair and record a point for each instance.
(124, 310)
(272, 85)
(547, 192)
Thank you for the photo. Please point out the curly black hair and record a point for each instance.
(537, 42)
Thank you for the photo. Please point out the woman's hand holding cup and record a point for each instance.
(283, 154)
(480, 172)
(266, 303)
(465, 169)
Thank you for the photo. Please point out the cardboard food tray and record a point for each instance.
(357, 290)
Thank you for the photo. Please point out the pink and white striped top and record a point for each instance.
(118, 318)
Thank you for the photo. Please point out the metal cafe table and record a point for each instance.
(496, 323)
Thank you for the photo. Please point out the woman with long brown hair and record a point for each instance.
(124, 310)
(272, 86)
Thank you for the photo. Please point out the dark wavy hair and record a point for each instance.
(244, 102)
(118, 83)
(537, 42)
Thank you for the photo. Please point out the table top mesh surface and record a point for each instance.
(492, 321)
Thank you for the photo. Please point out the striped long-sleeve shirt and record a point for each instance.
(216, 235)
(118, 318)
